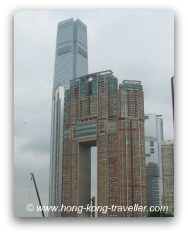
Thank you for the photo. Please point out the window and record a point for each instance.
(82, 52)
(151, 143)
(101, 128)
(64, 50)
(152, 150)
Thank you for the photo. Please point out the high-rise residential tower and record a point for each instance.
(71, 57)
(167, 152)
(131, 145)
(153, 139)
(97, 113)
(71, 61)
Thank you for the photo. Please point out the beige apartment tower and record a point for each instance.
(167, 153)
(98, 113)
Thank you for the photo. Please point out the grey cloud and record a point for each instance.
(38, 145)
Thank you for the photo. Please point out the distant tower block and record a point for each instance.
(56, 150)
(71, 57)
(153, 139)
(167, 152)
(71, 61)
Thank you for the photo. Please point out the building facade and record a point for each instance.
(71, 57)
(97, 113)
(71, 61)
(167, 151)
(152, 174)
(153, 139)
(56, 150)
(131, 145)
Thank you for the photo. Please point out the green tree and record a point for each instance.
(160, 214)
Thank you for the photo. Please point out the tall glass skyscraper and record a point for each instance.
(71, 61)
(56, 150)
(153, 138)
(71, 58)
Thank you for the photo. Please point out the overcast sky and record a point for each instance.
(133, 44)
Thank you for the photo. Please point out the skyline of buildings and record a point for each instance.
(144, 52)
(93, 108)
